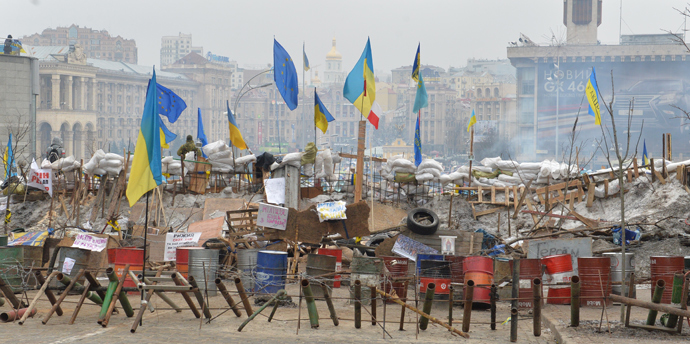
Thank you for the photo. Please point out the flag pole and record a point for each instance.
(304, 97)
(471, 155)
(315, 145)
(146, 230)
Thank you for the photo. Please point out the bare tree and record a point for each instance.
(20, 130)
(609, 139)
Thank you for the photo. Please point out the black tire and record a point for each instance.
(419, 228)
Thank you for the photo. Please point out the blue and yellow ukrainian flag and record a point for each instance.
(8, 158)
(645, 156)
(472, 121)
(415, 65)
(417, 144)
(305, 59)
(235, 134)
(146, 164)
(360, 86)
(167, 136)
(321, 114)
(592, 92)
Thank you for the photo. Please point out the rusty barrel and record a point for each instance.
(121, 256)
(338, 254)
(559, 269)
(457, 274)
(481, 271)
(437, 272)
(318, 265)
(664, 267)
(530, 268)
(367, 270)
(590, 270)
(617, 271)
(397, 267)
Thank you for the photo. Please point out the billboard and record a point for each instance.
(653, 91)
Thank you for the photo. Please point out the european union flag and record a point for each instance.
(285, 75)
(417, 145)
(169, 103)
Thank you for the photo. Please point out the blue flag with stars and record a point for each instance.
(169, 104)
(285, 75)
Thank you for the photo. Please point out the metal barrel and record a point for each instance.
(204, 260)
(338, 254)
(271, 271)
(590, 271)
(421, 257)
(317, 265)
(14, 259)
(246, 263)
(665, 267)
(119, 257)
(559, 268)
(530, 268)
(617, 270)
(182, 259)
(481, 271)
(438, 273)
(367, 270)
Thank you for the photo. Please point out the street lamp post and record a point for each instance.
(557, 76)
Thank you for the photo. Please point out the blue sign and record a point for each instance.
(217, 58)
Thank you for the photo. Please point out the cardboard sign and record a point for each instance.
(68, 265)
(272, 216)
(331, 211)
(90, 242)
(275, 190)
(175, 240)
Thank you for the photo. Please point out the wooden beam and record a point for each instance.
(507, 199)
(493, 194)
(524, 191)
(590, 195)
(486, 212)
(531, 207)
(534, 212)
(660, 177)
(606, 188)
(360, 160)
(588, 222)
(635, 170)
(480, 194)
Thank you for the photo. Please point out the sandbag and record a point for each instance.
(165, 160)
(243, 160)
(436, 173)
(214, 147)
(99, 171)
(530, 166)
(490, 162)
(430, 163)
(292, 157)
(220, 155)
(507, 165)
(309, 155)
(424, 177)
(110, 164)
(113, 156)
(403, 163)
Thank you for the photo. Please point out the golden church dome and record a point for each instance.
(333, 54)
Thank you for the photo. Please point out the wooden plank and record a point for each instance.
(660, 177)
(209, 229)
(629, 176)
(572, 183)
(531, 207)
(480, 194)
(572, 201)
(523, 192)
(360, 161)
(534, 212)
(606, 188)
(515, 196)
(474, 212)
(590, 195)
(507, 199)
(493, 194)
(588, 222)
(635, 170)
(486, 212)
(651, 166)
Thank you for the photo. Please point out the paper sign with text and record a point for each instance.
(90, 242)
(175, 240)
(272, 216)
(275, 190)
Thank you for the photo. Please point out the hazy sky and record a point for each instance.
(450, 31)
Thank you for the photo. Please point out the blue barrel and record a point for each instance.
(271, 270)
(421, 257)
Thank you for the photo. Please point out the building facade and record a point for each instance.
(97, 44)
(648, 74)
(18, 92)
(174, 48)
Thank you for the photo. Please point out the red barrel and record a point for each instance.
(457, 274)
(481, 271)
(442, 285)
(530, 269)
(119, 257)
(560, 269)
(398, 267)
(664, 267)
(338, 254)
(591, 270)
(435, 271)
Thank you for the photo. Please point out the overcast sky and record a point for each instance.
(450, 31)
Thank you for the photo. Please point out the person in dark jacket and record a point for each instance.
(8, 45)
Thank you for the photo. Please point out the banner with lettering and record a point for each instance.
(272, 216)
(175, 240)
(90, 242)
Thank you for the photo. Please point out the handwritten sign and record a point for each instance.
(175, 240)
(577, 247)
(90, 242)
(331, 211)
(272, 216)
(68, 265)
(275, 190)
